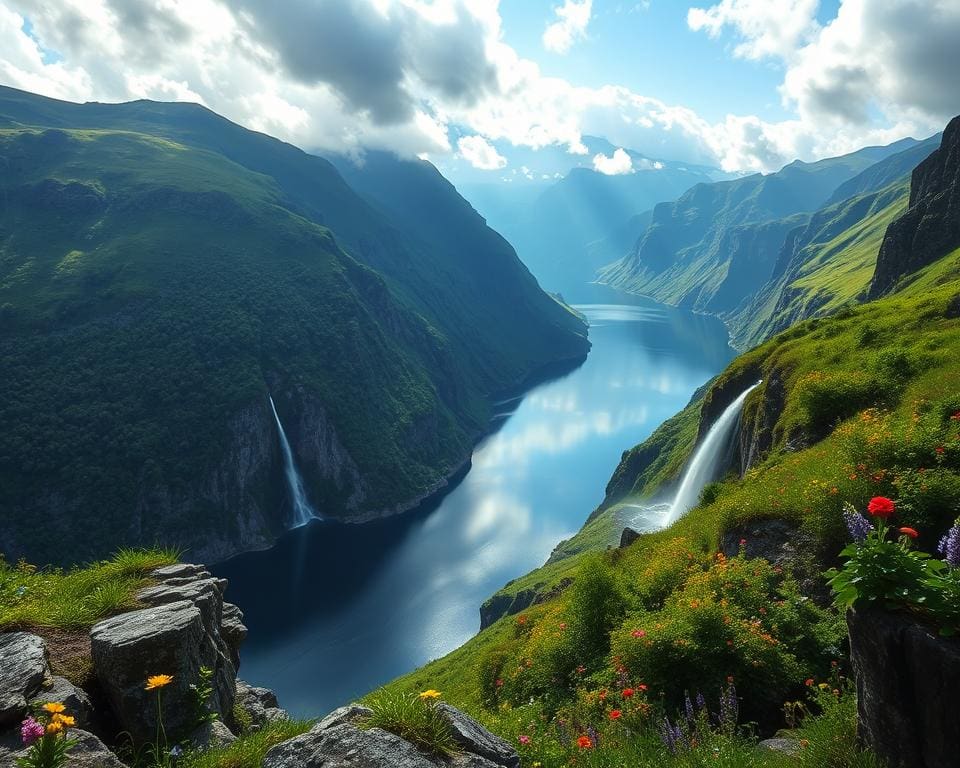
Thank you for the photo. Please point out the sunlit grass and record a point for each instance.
(79, 597)
(249, 749)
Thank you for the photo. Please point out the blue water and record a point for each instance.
(335, 610)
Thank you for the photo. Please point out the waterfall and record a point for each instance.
(710, 459)
(302, 511)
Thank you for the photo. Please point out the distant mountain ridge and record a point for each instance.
(163, 270)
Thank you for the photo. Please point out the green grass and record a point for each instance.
(411, 718)
(77, 598)
(249, 749)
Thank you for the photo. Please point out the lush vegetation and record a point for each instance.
(163, 270)
(248, 750)
(74, 599)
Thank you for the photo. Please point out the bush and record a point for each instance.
(412, 717)
(826, 398)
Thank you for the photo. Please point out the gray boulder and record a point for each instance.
(348, 714)
(168, 639)
(75, 699)
(345, 746)
(907, 680)
(260, 704)
(473, 737)
(233, 631)
(23, 668)
(780, 745)
(211, 735)
(187, 571)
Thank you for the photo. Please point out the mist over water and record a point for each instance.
(335, 610)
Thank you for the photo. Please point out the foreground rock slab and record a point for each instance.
(88, 752)
(23, 669)
(474, 738)
(907, 682)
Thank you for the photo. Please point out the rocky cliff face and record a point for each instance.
(931, 226)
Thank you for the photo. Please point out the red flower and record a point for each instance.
(615, 714)
(627, 693)
(939, 449)
(881, 506)
(642, 687)
(584, 742)
(638, 633)
(909, 532)
(809, 682)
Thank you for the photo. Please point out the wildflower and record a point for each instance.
(54, 707)
(642, 687)
(523, 739)
(562, 625)
(909, 532)
(176, 751)
(950, 546)
(430, 695)
(881, 506)
(581, 669)
(30, 731)
(627, 693)
(65, 720)
(939, 449)
(158, 681)
(499, 683)
(638, 633)
(54, 726)
(857, 525)
(808, 682)
(823, 686)
(615, 714)
(584, 742)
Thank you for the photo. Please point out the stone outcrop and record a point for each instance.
(87, 752)
(179, 633)
(930, 228)
(260, 704)
(23, 669)
(75, 699)
(907, 678)
(339, 741)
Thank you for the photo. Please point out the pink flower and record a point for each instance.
(523, 739)
(30, 731)
(638, 633)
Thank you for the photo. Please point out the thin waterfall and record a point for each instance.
(710, 459)
(303, 513)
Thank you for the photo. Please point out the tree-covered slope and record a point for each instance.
(717, 245)
(161, 276)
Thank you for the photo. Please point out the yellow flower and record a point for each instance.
(54, 727)
(158, 681)
(823, 686)
(65, 720)
(54, 707)
(429, 695)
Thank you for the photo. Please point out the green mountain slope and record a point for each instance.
(718, 244)
(162, 273)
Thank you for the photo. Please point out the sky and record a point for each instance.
(743, 85)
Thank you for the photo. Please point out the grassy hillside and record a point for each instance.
(159, 278)
(865, 404)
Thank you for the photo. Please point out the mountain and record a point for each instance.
(162, 271)
(566, 229)
(931, 226)
(717, 245)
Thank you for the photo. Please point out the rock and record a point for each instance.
(181, 571)
(470, 761)
(930, 227)
(770, 539)
(233, 631)
(628, 537)
(907, 676)
(783, 746)
(473, 737)
(211, 735)
(88, 752)
(260, 704)
(23, 668)
(347, 714)
(171, 639)
(75, 699)
(345, 746)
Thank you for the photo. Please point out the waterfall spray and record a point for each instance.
(303, 513)
(709, 459)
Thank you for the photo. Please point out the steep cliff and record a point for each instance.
(930, 228)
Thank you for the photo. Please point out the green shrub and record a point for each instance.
(826, 398)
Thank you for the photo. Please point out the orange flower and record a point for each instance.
(584, 742)
(158, 681)
(54, 707)
(54, 727)
(65, 720)
(909, 532)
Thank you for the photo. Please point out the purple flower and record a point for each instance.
(30, 731)
(701, 702)
(688, 708)
(667, 736)
(858, 526)
(950, 546)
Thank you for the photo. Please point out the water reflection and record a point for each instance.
(335, 610)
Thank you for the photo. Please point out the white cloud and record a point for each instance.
(617, 164)
(768, 27)
(480, 153)
(573, 17)
(405, 74)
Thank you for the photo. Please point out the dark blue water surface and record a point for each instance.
(336, 610)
